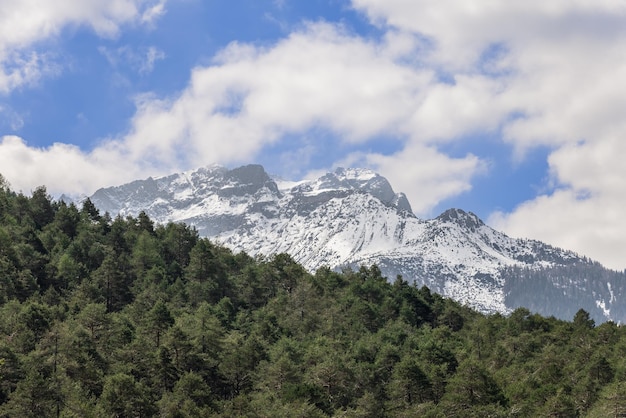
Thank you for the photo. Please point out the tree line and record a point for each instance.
(119, 317)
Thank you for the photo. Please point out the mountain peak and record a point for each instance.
(346, 179)
(247, 180)
(249, 174)
(352, 217)
(352, 173)
(364, 180)
(467, 220)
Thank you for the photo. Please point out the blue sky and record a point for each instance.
(512, 111)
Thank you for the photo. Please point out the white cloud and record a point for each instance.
(426, 175)
(460, 31)
(153, 12)
(561, 67)
(24, 69)
(25, 23)
(250, 97)
(321, 76)
(586, 215)
(62, 167)
(590, 225)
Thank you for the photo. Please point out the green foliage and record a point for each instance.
(159, 319)
(123, 396)
(122, 317)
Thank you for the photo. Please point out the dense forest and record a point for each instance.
(550, 289)
(103, 317)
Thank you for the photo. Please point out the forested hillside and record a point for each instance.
(104, 317)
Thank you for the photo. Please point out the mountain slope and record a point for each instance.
(352, 217)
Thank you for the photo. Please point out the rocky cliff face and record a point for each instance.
(351, 217)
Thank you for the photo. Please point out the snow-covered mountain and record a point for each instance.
(352, 217)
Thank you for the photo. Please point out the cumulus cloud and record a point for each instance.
(460, 32)
(561, 70)
(585, 214)
(250, 97)
(426, 175)
(591, 225)
(321, 76)
(24, 24)
(62, 167)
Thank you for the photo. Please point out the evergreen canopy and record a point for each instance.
(124, 318)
